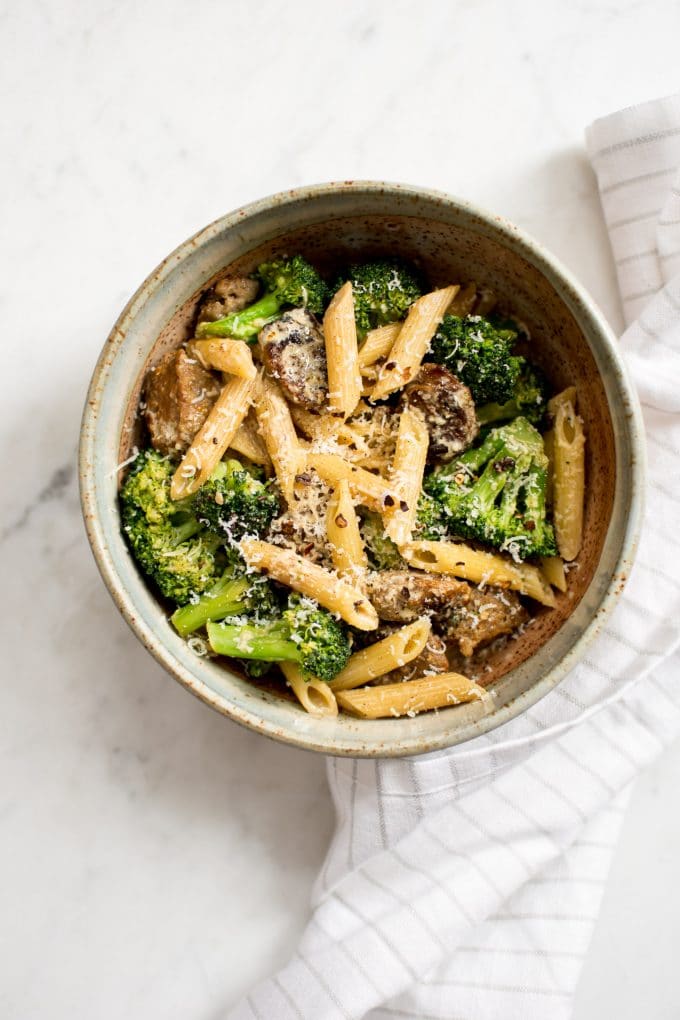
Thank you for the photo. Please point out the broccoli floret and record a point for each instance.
(305, 633)
(528, 399)
(288, 283)
(235, 594)
(166, 538)
(495, 493)
(232, 503)
(431, 522)
(382, 552)
(480, 354)
(384, 290)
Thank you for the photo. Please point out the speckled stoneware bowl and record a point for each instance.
(451, 241)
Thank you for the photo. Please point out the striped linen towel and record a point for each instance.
(466, 884)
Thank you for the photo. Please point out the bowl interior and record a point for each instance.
(450, 243)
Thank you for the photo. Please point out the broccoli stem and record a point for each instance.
(223, 599)
(245, 642)
(246, 324)
(489, 413)
(187, 529)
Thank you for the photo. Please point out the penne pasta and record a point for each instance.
(568, 472)
(552, 568)
(464, 301)
(342, 529)
(330, 591)
(413, 696)
(314, 695)
(373, 491)
(342, 353)
(248, 443)
(406, 478)
(225, 355)
(414, 337)
(213, 438)
(480, 567)
(315, 426)
(392, 652)
(378, 344)
(279, 435)
(549, 447)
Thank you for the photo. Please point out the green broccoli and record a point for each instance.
(528, 399)
(384, 290)
(480, 355)
(235, 594)
(166, 538)
(382, 552)
(232, 503)
(495, 493)
(431, 521)
(305, 633)
(288, 282)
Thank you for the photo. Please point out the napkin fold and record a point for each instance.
(467, 883)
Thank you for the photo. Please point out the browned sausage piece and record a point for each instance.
(487, 615)
(448, 409)
(404, 595)
(179, 393)
(294, 353)
(230, 294)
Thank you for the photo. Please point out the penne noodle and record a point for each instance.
(213, 438)
(480, 567)
(314, 695)
(371, 490)
(392, 652)
(412, 696)
(342, 353)
(225, 355)
(279, 435)
(342, 528)
(378, 344)
(406, 478)
(315, 426)
(330, 591)
(552, 568)
(549, 447)
(411, 345)
(248, 443)
(464, 301)
(568, 472)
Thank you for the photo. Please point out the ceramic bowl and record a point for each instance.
(451, 240)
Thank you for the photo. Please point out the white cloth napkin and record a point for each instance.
(467, 883)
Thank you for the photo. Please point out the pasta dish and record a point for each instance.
(358, 485)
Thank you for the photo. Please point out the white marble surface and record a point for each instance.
(155, 858)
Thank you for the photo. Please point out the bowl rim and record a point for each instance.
(544, 261)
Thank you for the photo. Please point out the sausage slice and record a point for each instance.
(448, 409)
(179, 393)
(487, 615)
(230, 294)
(294, 353)
(404, 595)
